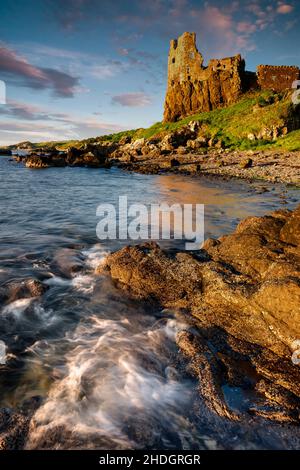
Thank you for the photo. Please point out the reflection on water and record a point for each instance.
(106, 369)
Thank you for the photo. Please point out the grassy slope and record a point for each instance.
(232, 124)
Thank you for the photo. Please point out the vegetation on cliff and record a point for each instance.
(259, 120)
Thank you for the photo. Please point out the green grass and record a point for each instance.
(231, 125)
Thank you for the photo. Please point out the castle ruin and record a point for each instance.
(194, 88)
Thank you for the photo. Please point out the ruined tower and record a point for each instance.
(194, 88)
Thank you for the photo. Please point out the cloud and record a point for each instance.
(228, 35)
(284, 8)
(32, 122)
(137, 99)
(246, 27)
(20, 72)
(107, 70)
(29, 112)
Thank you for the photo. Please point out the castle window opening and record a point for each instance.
(173, 60)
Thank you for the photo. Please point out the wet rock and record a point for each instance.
(205, 366)
(72, 154)
(67, 261)
(36, 161)
(93, 156)
(20, 289)
(4, 151)
(248, 288)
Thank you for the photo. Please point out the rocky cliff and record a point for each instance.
(193, 88)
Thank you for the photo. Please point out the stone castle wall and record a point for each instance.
(276, 78)
(194, 88)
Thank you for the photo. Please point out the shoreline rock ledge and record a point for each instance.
(241, 295)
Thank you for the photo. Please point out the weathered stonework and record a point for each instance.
(194, 88)
(277, 78)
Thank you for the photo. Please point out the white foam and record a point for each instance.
(80, 282)
(58, 281)
(84, 283)
(18, 306)
(113, 375)
(95, 255)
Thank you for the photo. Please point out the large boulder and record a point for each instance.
(88, 156)
(44, 161)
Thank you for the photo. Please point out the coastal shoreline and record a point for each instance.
(270, 166)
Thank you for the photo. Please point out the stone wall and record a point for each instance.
(277, 78)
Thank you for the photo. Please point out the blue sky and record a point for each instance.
(81, 68)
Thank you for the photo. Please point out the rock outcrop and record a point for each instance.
(243, 294)
(86, 156)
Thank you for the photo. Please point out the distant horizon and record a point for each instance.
(84, 69)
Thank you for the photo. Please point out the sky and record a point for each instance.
(83, 68)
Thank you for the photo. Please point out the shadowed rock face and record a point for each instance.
(192, 87)
(243, 294)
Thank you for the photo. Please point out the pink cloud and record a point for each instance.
(246, 27)
(284, 8)
(137, 99)
(18, 70)
(228, 36)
